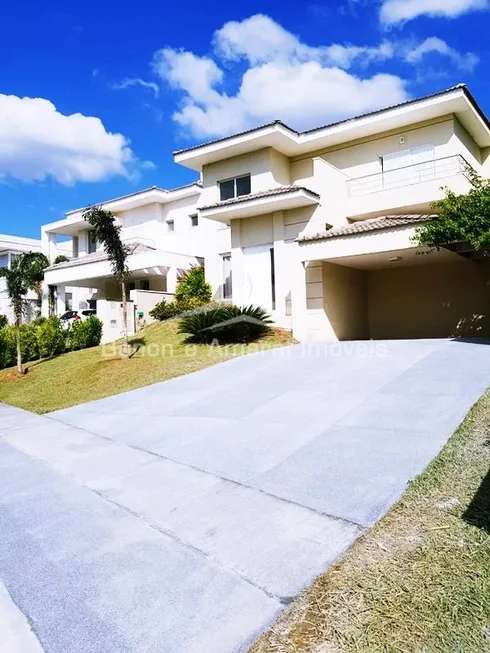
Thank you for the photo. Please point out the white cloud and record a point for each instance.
(434, 44)
(136, 81)
(285, 78)
(397, 11)
(38, 142)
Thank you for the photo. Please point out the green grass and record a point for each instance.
(419, 581)
(81, 376)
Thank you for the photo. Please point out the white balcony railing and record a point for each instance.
(407, 176)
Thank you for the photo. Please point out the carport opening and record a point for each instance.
(392, 296)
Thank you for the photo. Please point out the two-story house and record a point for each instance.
(322, 221)
(166, 236)
(10, 247)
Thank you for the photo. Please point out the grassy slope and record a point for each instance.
(81, 376)
(419, 582)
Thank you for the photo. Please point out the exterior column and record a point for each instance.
(281, 272)
(60, 301)
(298, 300)
(171, 280)
(238, 280)
(48, 244)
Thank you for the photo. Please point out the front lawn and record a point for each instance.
(419, 581)
(81, 376)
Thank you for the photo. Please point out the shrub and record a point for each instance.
(7, 347)
(28, 342)
(85, 333)
(164, 310)
(3, 321)
(193, 287)
(226, 324)
(61, 258)
(50, 337)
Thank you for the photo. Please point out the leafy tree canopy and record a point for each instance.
(462, 218)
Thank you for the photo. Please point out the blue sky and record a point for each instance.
(94, 96)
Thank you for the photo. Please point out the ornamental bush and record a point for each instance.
(3, 321)
(193, 287)
(85, 333)
(50, 337)
(226, 324)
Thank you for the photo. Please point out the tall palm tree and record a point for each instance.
(22, 276)
(108, 232)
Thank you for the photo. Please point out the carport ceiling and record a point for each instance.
(396, 258)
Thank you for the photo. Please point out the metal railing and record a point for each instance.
(408, 175)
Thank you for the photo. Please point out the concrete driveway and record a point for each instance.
(183, 517)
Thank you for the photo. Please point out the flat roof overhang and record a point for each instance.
(457, 101)
(260, 205)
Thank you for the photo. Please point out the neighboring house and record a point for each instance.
(322, 221)
(10, 247)
(166, 237)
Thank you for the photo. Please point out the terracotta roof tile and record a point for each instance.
(280, 190)
(362, 226)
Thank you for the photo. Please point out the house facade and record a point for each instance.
(322, 222)
(10, 247)
(166, 236)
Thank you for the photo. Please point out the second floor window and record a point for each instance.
(194, 220)
(236, 187)
(92, 242)
(170, 225)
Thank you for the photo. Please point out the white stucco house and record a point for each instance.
(10, 247)
(166, 236)
(322, 221)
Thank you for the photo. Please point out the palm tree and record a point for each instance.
(34, 264)
(22, 276)
(108, 232)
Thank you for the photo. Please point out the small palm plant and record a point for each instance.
(22, 276)
(108, 232)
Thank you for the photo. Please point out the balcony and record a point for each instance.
(410, 189)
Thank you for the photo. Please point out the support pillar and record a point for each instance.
(298, 301)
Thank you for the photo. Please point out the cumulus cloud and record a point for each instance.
(397, 11)
(434, 44)
(127, 82)
(284, 78)
(38, 142)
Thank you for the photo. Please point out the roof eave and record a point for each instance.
(457, 100)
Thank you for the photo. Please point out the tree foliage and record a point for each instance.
(26, 273)
(193, 285)
(462, 218)
(108, 232)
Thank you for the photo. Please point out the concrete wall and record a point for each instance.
(345, 303)
(268, 169)
(430, 301)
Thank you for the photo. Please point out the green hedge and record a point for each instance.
(45, 337)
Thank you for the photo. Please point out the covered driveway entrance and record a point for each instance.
(372, 283)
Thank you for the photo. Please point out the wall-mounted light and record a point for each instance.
(394, 259)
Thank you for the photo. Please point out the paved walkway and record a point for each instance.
(183, 517)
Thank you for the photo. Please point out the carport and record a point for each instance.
(368, 281)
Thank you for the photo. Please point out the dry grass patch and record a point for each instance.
(419, 581)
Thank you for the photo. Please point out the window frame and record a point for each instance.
(170, 226)
(226, 256)
(234, 180)
(91, 242)
(194, 217)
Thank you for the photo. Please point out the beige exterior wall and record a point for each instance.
(345, 302)
(430, 301)
(268, 169)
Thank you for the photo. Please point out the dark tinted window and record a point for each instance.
(243, 186)
(227, 189)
